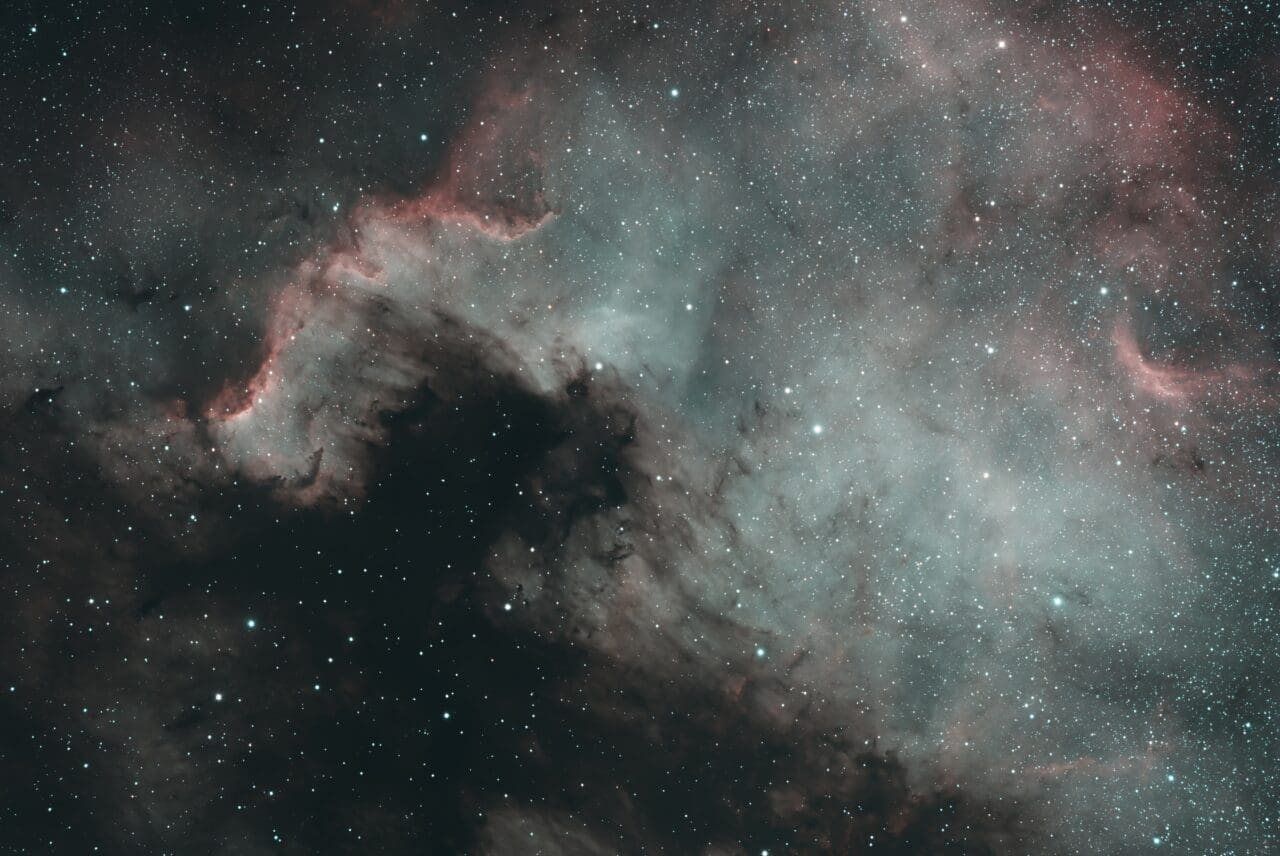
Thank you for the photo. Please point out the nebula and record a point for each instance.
(718, 428)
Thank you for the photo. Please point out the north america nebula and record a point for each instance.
(719, 428)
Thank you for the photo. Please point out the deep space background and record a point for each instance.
(718, 427)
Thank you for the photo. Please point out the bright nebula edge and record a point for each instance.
(720, 427)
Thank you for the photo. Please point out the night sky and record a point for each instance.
(726, 428)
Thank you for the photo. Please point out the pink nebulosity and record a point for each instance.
(500, 141)
(237, 398)
(1240, 384)
(1170, 384)
(492, 177)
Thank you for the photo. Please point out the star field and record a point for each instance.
(709, 428)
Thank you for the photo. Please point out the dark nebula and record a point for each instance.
(700, 428)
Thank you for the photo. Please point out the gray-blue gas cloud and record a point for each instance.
(719, 428)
